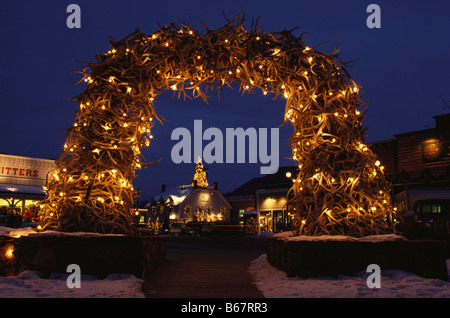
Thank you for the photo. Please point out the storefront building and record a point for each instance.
(262, 202)
(21, 184)
(197, 202)
(417, 163)
(187, 203)
(273, 213)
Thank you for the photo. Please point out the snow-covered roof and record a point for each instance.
(177, 194)
(250, 212)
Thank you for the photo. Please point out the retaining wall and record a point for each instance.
(426, 258)
(96, 255)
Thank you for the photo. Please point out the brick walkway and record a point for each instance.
(199, 267)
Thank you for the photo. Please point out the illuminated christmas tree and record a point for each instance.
(200, 179)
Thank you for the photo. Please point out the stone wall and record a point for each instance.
(331, 258)
(96, 255)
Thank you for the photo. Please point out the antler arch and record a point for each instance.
(340, 187)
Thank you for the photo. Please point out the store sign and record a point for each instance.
(18, 172)
(15, 167)
(435, 151)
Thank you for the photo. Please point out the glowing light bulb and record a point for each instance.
(9, 253)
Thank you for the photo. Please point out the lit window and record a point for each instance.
(187, 211)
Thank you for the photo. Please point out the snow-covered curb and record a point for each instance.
(370, 238)
(29, 284)
(28, 231)
(274, 283)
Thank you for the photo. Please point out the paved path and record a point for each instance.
(206, 267)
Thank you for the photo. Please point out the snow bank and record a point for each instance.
(7, 231)
(28, 231)
(370, 238)
(29, 284)
(274, 283)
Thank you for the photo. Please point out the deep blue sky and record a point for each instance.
(403, 67)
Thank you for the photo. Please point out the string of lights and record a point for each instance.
(340, 186)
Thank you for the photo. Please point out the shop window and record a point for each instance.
(431, 208)
(401, 206)
(187, 212)
(210, 217)
(200, 214)
(30, 209)
(9, 205)
(4, 207)
(265, 221)
(222, 213)
(277, 221)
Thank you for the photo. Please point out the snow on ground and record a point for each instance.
(29, 284)
(274, 283)
(370, 238)
(28, 231)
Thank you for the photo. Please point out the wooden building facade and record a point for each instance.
(418, 159)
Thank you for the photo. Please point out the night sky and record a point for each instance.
(403, 67)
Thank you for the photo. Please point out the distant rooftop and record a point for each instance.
(278, 179)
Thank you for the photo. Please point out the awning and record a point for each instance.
(21, 191)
